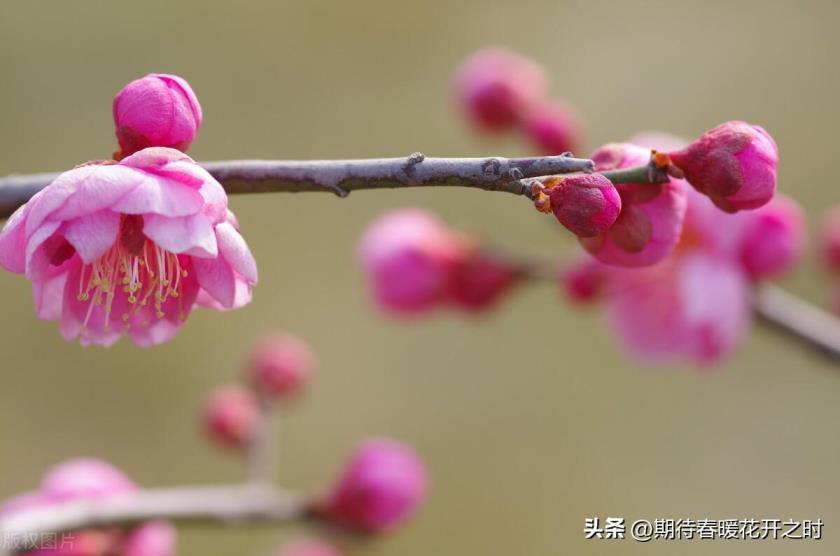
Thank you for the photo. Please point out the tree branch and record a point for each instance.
(798, 319)
(262, 450)
(230, 505)
(343, 176)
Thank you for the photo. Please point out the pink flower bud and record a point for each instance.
(584, 280)
(830, 239)
(479, 280)
(380, 487)
(734, 164)
(772, 238)
(84, 478)
(651, 218)
(494, 87)
(552, 127)
(157, 110)
(308, 547)
(407, 256)
(280, 366)
(153, 538)
(231, 416)
(586, 204)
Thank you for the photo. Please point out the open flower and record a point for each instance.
(129, 248)
(91, 479)
(695, 304)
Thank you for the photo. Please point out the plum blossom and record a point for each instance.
(91, 479)
(129, 248)
(586, 204)
(735, 164)
(231, 416)
(553, 127)
(695, 304)
(279, 366)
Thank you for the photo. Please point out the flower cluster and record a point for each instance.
(414, 264)
(130, 247)
(91, 479)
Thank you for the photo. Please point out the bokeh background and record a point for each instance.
(530, 419)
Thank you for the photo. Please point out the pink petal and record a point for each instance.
(37, 262)
(13, 242)
(191, 235)
(48, 295)
(235, 251)
(162, 196)
(217, 278)
(93, 234)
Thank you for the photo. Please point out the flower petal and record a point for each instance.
(159, 195)
(191, 235)
(217, 278)
(93, 234)
(235, 251)
(13, 242)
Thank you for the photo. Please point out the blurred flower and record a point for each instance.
(92, 479)
(280, 365)
(696, 303)
(157, 110)
(734, 164)
(407, 256)
(583, 280)
(478, 280)
(552, 127)
(586, 204)
(231, 416)
(495, 86)
(830, 239)
(651, 215)
(308, 547)
(380, 487)
(129, 248)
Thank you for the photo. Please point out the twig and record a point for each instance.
(262, 450)
(343, 176)
(238, 504)
(799, 319)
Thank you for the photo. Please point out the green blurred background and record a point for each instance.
(531, 419)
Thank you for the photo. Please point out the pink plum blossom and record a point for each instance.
(231, 416)
(91, 479)
(552, 127)
(651, 215)
(830, 239)
(735, 164)
(407, 257)
(583, 280)
(478, 280)
(157, 110)
(129, 248)
(586, 204)
(380, 487)
(280, 365)
(695, 304)
(495, 86)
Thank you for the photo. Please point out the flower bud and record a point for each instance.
(379, 488)
(157, 110)
(231, 416)
(734, 164)
(308, 547)
(84, 478)
(479, 280)
(772, 238)
(280, 366)
(586, 204)
(584, 280)
(153, 538)
(406, 256)
(494, 87)
(830, 239)
(552, 127)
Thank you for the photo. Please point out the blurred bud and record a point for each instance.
(157, 110)
(583, 280)
(154, 538)
(406, 256)
(231, 416)
(479, 280)
(84, 478)
(772, 239)
(586, 204)
(494, 87)
(552, 127)
(280, 366)
(308, 547)
(734, 164)
(379, 488)
(830, 238)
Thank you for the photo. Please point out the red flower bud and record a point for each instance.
(586, 204)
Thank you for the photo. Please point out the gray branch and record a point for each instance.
(227, 505)
(799, 319)
(344, 176)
